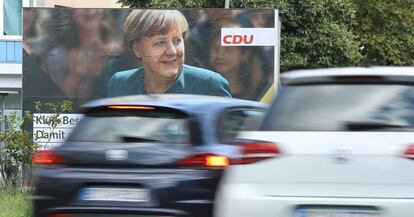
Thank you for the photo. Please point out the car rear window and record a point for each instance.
(162, 125)
(232, 121)
(342, 107)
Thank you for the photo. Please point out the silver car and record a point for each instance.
(335, 143)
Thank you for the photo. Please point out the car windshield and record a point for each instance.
(342, 107)
(133, 126)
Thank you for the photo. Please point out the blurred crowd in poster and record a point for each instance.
(73, 53)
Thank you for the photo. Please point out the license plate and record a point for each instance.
(310, 212)
(114, 194)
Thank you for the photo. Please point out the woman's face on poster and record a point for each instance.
(226, 58)
(162, 55)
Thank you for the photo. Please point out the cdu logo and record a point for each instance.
(238, 39)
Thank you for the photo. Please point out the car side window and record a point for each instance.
(232, 121)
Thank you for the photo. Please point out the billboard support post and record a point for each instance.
(276, 50)
(227, 4)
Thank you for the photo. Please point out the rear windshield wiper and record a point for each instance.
(137, 139)
(373, 125)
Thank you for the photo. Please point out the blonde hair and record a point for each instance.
(147, 23)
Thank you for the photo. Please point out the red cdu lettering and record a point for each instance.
(226, 39)
(237, 39)
(248, 41)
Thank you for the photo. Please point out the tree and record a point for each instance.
(386, 31)
(16, 148)
(17, 145)
(315, 33)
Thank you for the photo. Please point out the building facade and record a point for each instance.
(11, 55)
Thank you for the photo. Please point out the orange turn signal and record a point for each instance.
(217, 161)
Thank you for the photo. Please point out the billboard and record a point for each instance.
(85, 54)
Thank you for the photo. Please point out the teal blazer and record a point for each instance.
(192, 80)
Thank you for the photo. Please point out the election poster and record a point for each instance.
(86, 54)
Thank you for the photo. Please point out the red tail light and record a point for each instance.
(47, 157)
(409, 153)
(205, 160)
(254, 151)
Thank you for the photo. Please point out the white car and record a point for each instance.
(335, 143)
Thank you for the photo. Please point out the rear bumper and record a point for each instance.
(113, 211)
(173, 192)
(243, 201)
(185, 209)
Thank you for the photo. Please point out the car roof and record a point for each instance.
(376, 74)
(186, 102)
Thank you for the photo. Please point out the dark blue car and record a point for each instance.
(158, 155)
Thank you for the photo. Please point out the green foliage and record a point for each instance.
(17, 148)
(14, 202)
(317, 33)
(17, 143)
(386, 31)
(328, 33)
